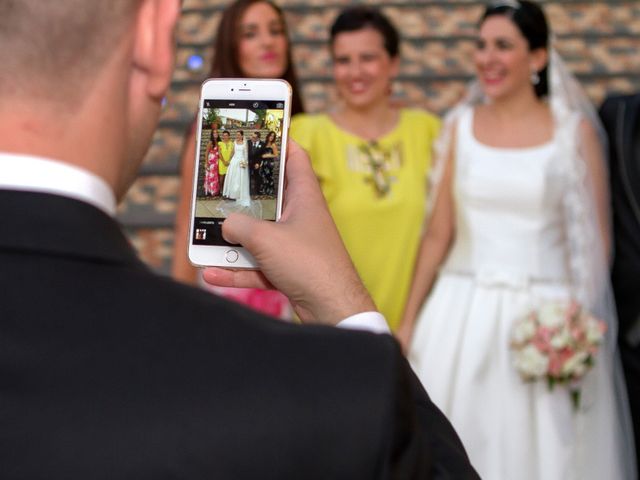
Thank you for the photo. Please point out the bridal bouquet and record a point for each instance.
(557, 342)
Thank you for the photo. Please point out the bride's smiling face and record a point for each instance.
(504, 63)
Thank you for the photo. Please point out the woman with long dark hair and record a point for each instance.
(251, 41)
(267, 165)
(212, 159)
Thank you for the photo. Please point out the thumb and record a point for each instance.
(239, 228)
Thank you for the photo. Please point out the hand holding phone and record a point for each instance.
(302, 255)
(234, 116)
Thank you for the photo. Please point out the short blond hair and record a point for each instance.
(52, 47)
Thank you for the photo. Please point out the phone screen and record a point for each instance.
(238, 164)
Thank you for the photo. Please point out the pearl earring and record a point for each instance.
(535, 78)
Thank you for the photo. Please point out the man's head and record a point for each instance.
(85, 78)
(54, 49)
(255, 136)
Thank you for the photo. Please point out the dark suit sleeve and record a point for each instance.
(608, 111)
(450, 460)
(425, 445)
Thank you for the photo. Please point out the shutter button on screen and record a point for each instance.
(231, 256)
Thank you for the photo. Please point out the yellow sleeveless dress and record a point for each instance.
(225, 153)
(377, 195)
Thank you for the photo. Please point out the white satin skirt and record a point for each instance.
(512, 430)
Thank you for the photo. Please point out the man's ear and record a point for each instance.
(154, 49)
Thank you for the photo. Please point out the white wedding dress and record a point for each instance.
(236, 184)
(509, 255)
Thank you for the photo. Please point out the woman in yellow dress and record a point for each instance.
(371, 157)
(225, 147)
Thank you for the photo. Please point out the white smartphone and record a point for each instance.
(242, 131)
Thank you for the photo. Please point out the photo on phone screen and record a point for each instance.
(239, 164)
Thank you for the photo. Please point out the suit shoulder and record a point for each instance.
(612, 101)
(358, 348)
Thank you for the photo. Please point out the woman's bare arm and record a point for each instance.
(433, 249)
(593, 152)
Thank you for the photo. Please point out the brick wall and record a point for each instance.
(599, 40)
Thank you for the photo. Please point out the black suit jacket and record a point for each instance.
(255, 157)
(255, 153)
(108, 371)
(621, 118)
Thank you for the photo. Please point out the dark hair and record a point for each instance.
(352, 19)
(532, 23)
(215, 138)
(256, 133)
(268, 137)
(240, 132)
(225, 58)
(227, 132)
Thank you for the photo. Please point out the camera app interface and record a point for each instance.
(239, 164)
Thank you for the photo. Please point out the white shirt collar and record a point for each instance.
(37, 174)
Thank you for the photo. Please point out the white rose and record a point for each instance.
(576, 364)
(531, 363)
(594, 334)
(580, 370)
(523, 331)
(551, 315)
(561, 339)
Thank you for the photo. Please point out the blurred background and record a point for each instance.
(599, 40)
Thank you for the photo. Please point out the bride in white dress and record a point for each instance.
(519, 219)
(236, 185)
